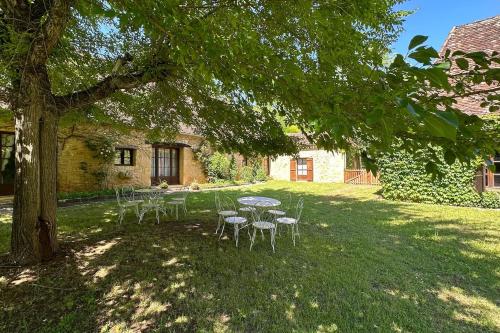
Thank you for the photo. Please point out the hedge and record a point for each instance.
(404, 178)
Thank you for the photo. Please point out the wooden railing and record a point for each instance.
(360, 177)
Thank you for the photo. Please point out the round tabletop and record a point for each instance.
(259, 201)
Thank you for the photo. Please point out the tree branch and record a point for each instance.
(476, 92)
(110, 85)
(49, 34)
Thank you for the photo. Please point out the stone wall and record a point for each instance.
(191, 169)
(77, 164)
(74, 153)
(327, 166)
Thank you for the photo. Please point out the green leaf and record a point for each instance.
(437, 77)
(416, 41)
(442, 124)
(398, 61)
(374, 116)
(444, 65)
(462, 63)
(424, 55)
(449, 156)
(415, 110)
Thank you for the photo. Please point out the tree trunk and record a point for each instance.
(34, 220)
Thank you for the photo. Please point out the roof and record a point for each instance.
(302, 141)
(483, 35)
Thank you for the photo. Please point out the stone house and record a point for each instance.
(311, 164)
(133, 160)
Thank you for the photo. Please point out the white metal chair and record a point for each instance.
(293, 222)
(128, 193)
(152, 203)
(260, 223)
(174, 205)
(238, 222)
(223, 211)
(182, 197)
(124, 205)
(285, 207)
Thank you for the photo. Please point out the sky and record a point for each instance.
(435, 18)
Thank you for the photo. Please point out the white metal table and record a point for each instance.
(260, 202)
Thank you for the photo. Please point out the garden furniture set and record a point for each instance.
(143, 201)
(260, 214)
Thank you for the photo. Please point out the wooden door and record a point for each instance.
(7, 163)
(165, 165)
(293, 170)
(310, 176)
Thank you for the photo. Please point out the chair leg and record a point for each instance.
(218, 224)
(253, 238)
(236, 233)
(120, 216)
(262, 233)
(157, 216)
(273, 235)
(136, 210)
(222, 231)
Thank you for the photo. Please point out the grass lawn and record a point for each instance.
(362, 264)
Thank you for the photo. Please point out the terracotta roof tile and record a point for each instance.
(483, 35)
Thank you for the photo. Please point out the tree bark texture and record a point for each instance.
(35, 204)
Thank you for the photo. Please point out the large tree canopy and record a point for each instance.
(233, 69)
(205, 63)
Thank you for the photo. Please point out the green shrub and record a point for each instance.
(233, 168)
(246, 174)
(404, 178)
(218, 167)
(490, 200)
(259, 173)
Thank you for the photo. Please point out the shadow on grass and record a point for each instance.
(362, 264)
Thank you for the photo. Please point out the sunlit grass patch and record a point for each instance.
(361, 264)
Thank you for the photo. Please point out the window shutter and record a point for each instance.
(293, 170)
(310, 176)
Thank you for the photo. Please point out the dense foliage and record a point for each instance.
(159, 64)
(230, 69)
(221, 167)
(404, 177)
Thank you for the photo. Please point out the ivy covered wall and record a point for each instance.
(404, 178)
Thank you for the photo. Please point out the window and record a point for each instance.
(7, 163)
(302, 167)
(124, 156)
(492, 178)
